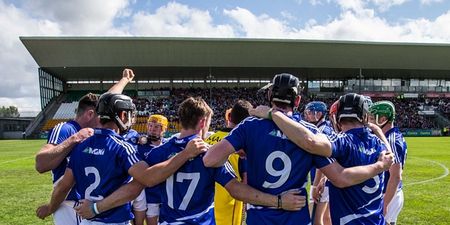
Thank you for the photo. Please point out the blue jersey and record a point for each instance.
(361, 203)
(399, 148)
(132, 137)
(152, 194)
(100, 166)
(188, 195)
(274, 165)
(326, 128)
(59, 134)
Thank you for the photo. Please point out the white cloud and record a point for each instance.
(80, 17)
(429, 2)
(257, 26)
(287, 15)
(15, 61)
(384, 5)
(175, 19)
(356, 21)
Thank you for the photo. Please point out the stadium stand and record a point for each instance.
(220, 99)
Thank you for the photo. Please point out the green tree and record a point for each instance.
(10, 111)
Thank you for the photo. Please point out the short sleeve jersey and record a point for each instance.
(59, 134)
(274, 165)
(100, 166)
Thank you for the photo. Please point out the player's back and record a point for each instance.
(361, 203)
(274, 165)
(326, 128)
(399, 148)
(187, 195)
(59, 134)
(100, 166)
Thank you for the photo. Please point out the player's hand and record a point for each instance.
(196, 147)
(292, 200)
(261, 111)
(84, 209)
(318, 190)
(83, 134)
(128, 74)
(43, 211)
(386, 159)
(316, 193)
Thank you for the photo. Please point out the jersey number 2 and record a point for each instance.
(194, 177)
(87, 194)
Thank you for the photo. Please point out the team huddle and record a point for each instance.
(106, 173)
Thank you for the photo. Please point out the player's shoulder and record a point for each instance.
(313, 128)
(118, 143)
(250, 123)
(67, 126)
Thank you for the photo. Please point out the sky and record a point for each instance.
(419, 21)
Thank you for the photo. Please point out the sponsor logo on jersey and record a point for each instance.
(94, 151)
(277, 133)
(367, 151)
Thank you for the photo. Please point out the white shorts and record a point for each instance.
(311, 200)
(153, 210)
(394, 207)
(88, 222)
(140, 203)
(66, 215)
(325, 197)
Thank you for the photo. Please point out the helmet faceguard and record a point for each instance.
(383, 108)
(110, 106)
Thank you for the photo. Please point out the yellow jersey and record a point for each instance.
(227, 210)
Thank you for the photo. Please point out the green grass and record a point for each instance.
(22, 189)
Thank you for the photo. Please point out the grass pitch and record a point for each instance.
(426, 184)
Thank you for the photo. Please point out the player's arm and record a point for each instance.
(50, 156)
(158, 173)
(127, 77)
(290, 200)
(395, 173)
(344, 177)
(316, 187)
(317, 144)
(124, 194)
(379, 133)
(59, 193)
(218, 154)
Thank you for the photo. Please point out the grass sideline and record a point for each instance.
(22, 189)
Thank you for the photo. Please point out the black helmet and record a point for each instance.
(352, 106)
(110, 105)
(284, 88)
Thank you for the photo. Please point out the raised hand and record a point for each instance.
(128, 74)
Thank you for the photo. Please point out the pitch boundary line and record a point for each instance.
(13, 160)
(446, 172)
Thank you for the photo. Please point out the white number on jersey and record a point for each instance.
(371, 190)
(194, 177)
(87, 194)
(283, 173)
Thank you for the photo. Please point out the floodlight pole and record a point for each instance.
(210, 77)
(360, 76)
